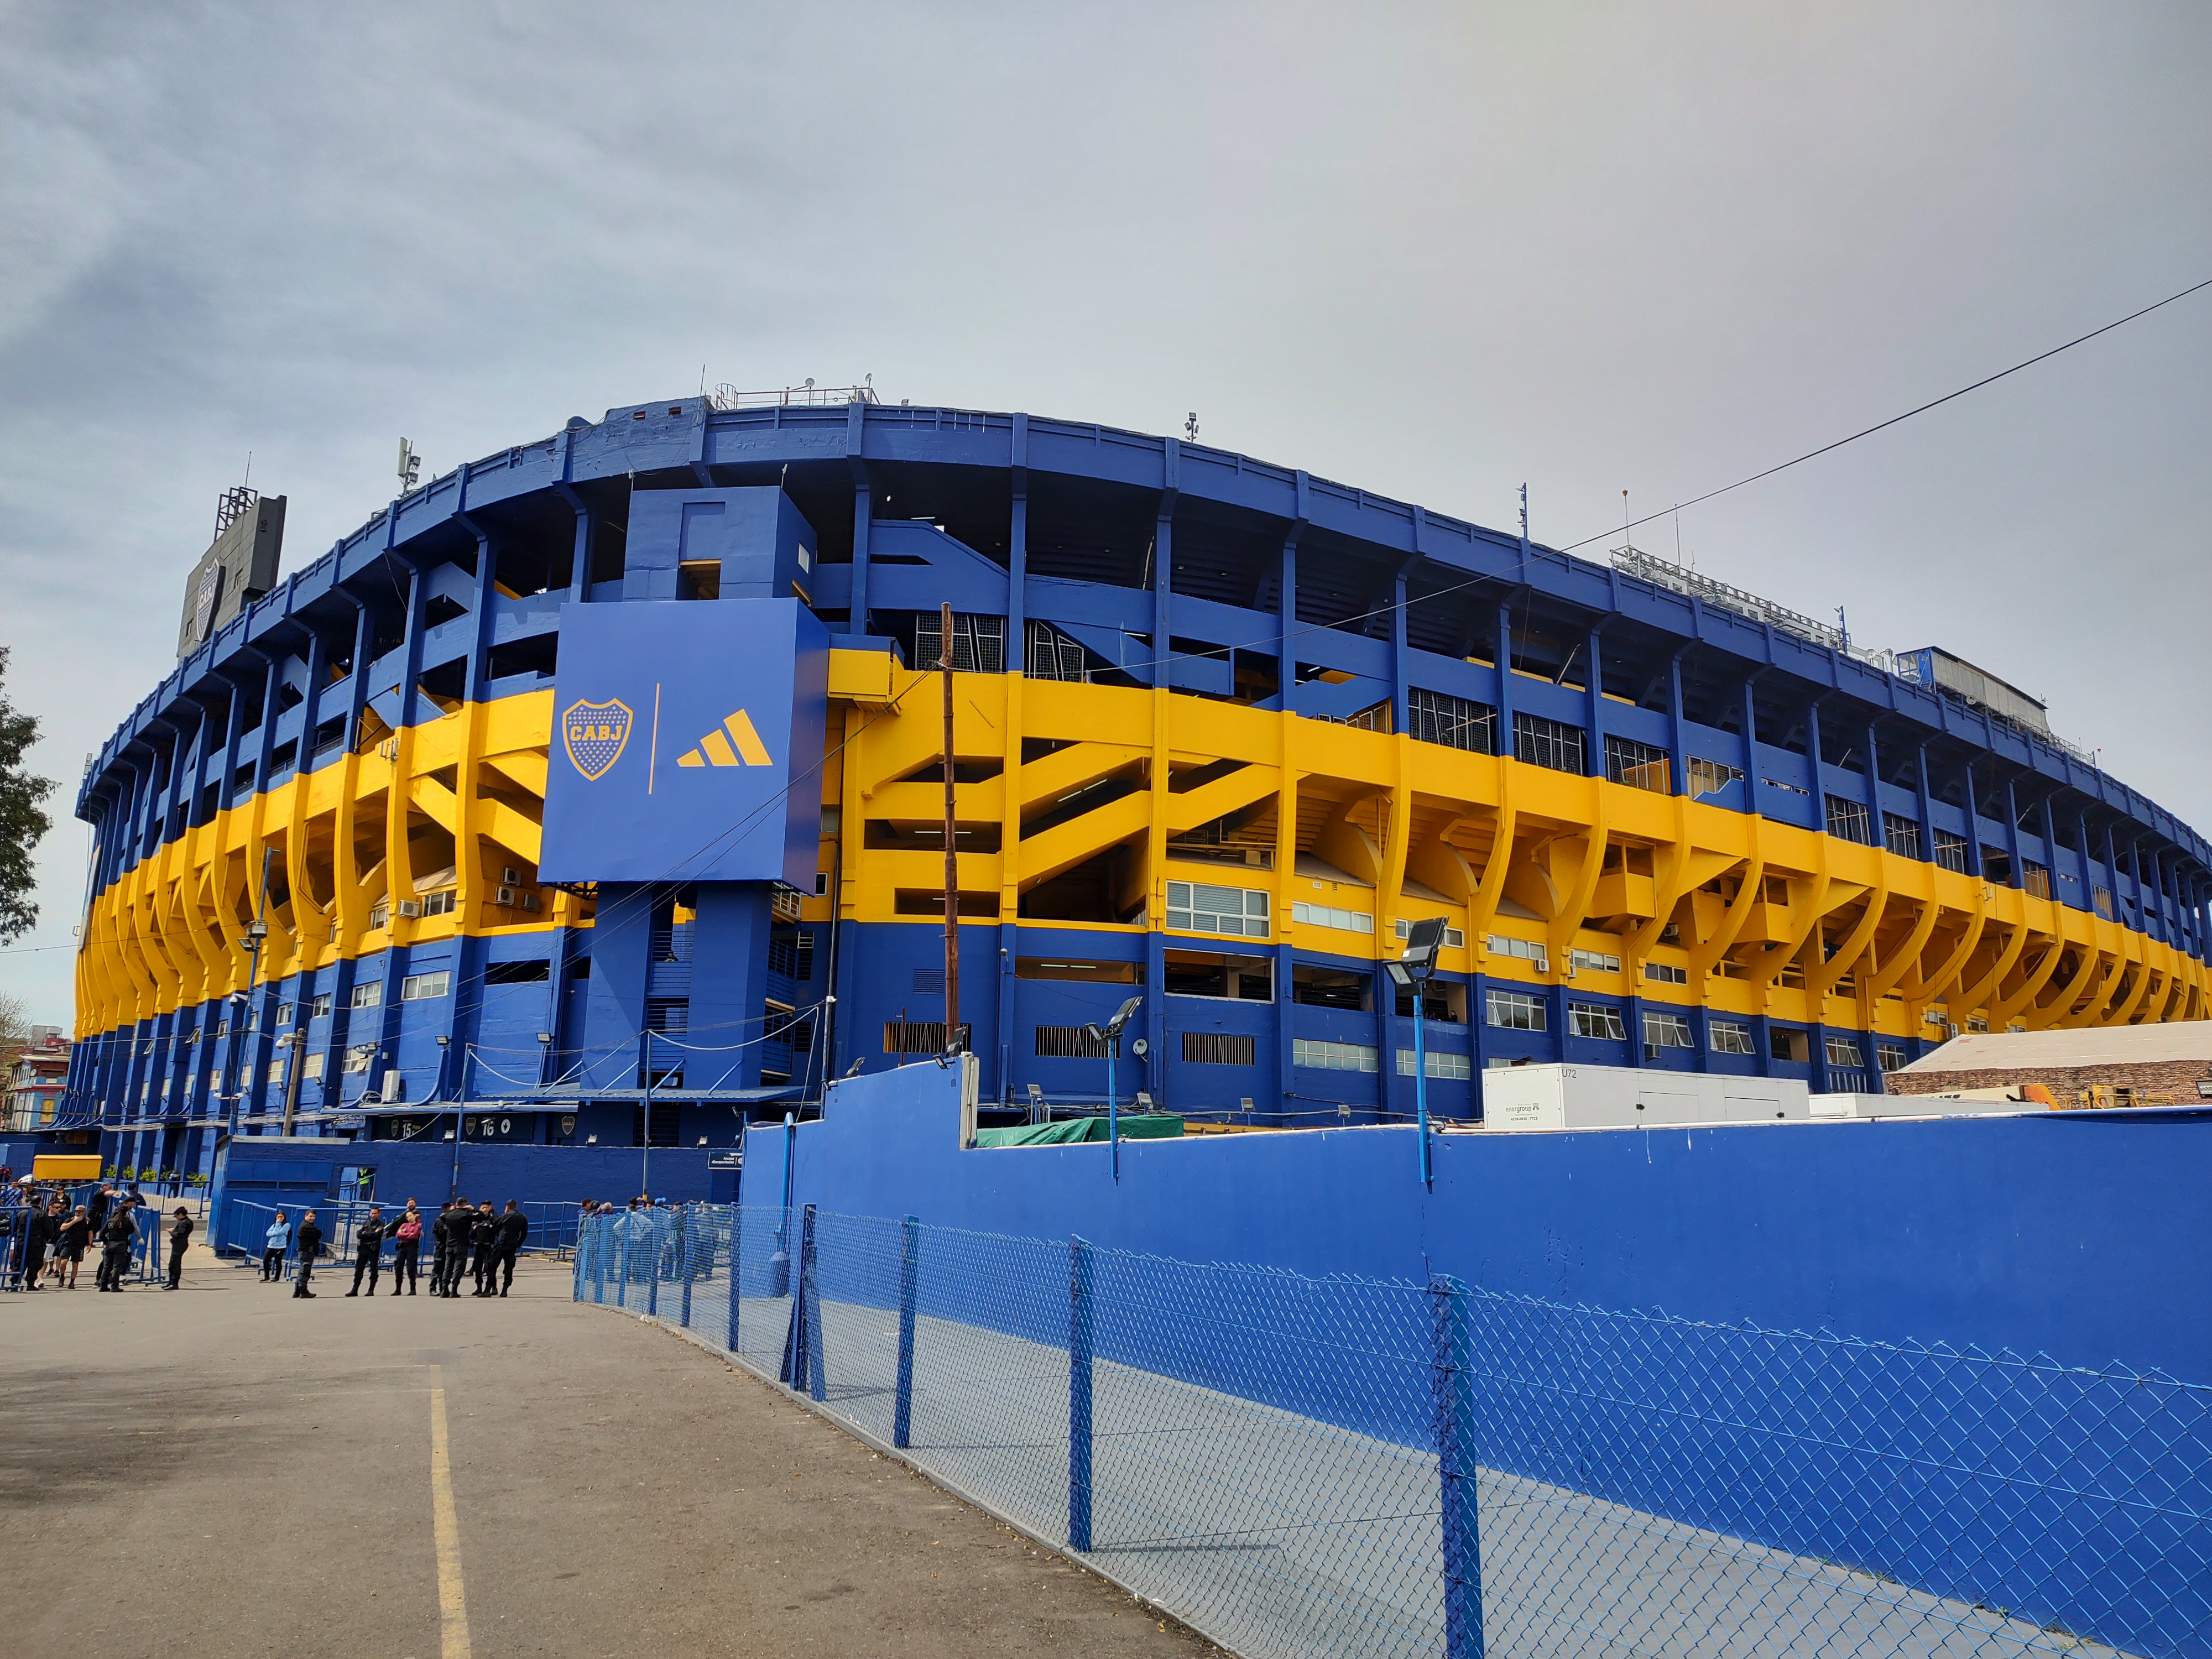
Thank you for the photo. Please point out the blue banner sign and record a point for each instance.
(686, 743)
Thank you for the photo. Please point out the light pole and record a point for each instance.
(645, 1152)
(1412, 971)
(1111, 1037)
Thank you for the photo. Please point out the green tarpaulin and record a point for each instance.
(1068, 1130)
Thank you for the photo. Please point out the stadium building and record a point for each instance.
(587, 773)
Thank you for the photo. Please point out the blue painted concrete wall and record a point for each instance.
(2078, 1235)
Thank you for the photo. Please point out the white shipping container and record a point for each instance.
(1628, 1097)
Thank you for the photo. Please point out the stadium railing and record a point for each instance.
(1297, 1467)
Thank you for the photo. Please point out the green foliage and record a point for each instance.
(21, 822)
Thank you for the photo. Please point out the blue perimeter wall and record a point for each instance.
(2078, 1235)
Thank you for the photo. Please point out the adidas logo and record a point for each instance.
(715, 750)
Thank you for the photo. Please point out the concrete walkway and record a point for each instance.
(229, 1470)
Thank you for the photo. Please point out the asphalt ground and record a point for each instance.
(224, 1471)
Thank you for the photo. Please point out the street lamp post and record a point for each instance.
(1111, 1037)
(1412, 971)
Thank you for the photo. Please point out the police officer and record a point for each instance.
(115, 1241)
(180, 1235)
(368, 1250)
(483, 1233)
(441, 1246)
(507, 1244)
(308, 1244)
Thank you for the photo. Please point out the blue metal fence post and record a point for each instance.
(576, 1269)
(909, 1267)
(1079, 1394)
(1453, 1385)
(683, 1259)
(599, 1254)
(737, 1258)
(652, 1267)
(800, 1345)
(809, 1288)
(1113, 1112)
(621, 1288)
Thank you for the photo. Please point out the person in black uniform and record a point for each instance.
(460, 1218)
(180, 1235)
(441, 1246)
(115, 1241)
(308, 1244)
(368, 1250)
(507, 1244)
(483, 1233)
(43, 1233)
(96, 1211)
(406, 1245)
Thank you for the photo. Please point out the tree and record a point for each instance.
(22, 821)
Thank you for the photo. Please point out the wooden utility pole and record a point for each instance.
(951, 851)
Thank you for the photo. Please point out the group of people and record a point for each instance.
(57, 1235)
(466, 1240)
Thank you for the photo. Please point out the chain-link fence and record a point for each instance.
(1328, 1467)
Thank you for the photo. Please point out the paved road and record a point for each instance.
(223, 1471)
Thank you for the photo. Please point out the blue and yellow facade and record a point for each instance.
(1222, 731)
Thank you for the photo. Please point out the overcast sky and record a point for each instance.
(1431, 252)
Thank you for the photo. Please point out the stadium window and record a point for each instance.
(1639, 765)
(1049, 1043)
(1318, 1056)
(535, 971)
(2101, 901)
(1213, 974)
(1328, 987)
(1198, 907)
(979, 642)
(1453, 937)
(276, 1073)
(283, 1014)
(1516, 1010)
(1441, 1067)
(1593, 962)
(358, 1056)
(1219, 1048)
(1709, 777)
(1595, 1020)
(312, 1071)
(1326, 915)
(440, 903)
(321, 1007)
(1847, 820)
(1052, 655)
(927, 1036)
(1843, 1053)
(1784, 1044)
(1950, 851)
(367, 995)
(1726, 1036)
(424, 987)
(2035, 879)
(1900, 835)
(1441, 1002)
(1528, 950)
(1666, 972)
(1890, 1056)
(379, 914)
(1454, 722)
(1667, 1032)
(1548, 744)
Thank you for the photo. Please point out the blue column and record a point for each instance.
(614, 1003)
(2012, 834)
(1973, 822)
(1286, 612)
(1675, 747)
(1750, 770)
(1079, 1394)
(1504, 654)
(1594, 674)
(1926, 808)
(729, 985)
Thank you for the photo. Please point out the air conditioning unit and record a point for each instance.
(529, 901)
(505, 895)
(512, 877)
(411, 907)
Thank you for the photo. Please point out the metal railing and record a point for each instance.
(1325, 1467)
(147, 1263)
(809, 396)
(553, 1229)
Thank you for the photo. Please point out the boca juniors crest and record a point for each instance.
(593, 733)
